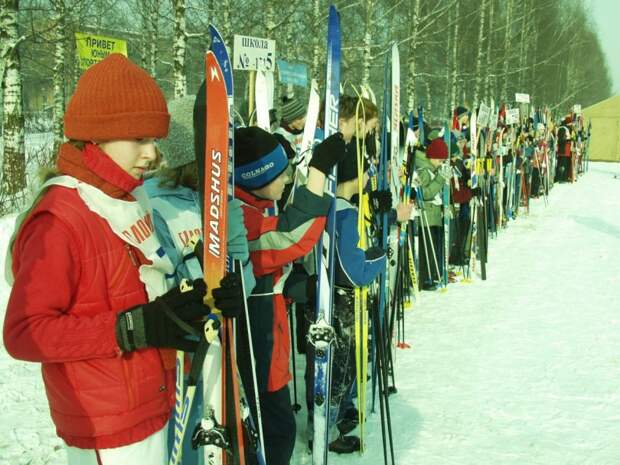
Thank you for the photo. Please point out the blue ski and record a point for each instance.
(321, 333)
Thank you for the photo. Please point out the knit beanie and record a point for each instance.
(292, 109)
(347, 168)
(458, 111)
(437, 149)
(116, 99)
(259, 158)
(178, 148)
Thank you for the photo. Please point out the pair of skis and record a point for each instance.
(215, 356)
(321, 333)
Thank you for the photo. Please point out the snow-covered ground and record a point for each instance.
(520, 369)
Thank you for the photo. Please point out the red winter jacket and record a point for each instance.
(274, 242)
(564, 142)
(72, 276)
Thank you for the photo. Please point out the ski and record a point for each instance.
(383, 183)
(321, 333)
(446, 214)
(216, 166)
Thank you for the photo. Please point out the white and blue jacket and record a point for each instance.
(176, 217)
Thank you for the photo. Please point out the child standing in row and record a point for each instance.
(102, 327)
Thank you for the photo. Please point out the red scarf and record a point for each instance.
(93, 166)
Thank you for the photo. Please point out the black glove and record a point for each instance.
(228, 298)
(311, 288)
(329, 153)
(381, 201)
(371, 144)
(166, 321)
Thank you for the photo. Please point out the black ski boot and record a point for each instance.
(348, 422)
(345, 445)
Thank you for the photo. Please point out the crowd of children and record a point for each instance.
(129, 276)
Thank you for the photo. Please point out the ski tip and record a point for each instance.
(214, 33)
(334, 15)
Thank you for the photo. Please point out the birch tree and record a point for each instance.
(270, 20)
(178, 47)
(368, 8)
(479, 77)
(149, 15)
(455, 57)
(58, 32)
(411, 58)
(507, 48)
(488, 68)
(316, 49)
(523, 46)
(13, 149)
(227, 28)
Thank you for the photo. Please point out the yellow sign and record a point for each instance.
(92, 49)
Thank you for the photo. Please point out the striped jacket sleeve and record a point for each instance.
(275, 241)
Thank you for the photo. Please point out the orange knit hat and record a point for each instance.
(116, 99)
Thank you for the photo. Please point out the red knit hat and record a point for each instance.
(116, 99)
(437, 149)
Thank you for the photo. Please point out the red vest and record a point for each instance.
(97, 400)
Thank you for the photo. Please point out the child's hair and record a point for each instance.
(347, 108)
(186, 176)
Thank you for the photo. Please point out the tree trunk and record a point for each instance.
(455, 56)
(147, 33)
(411, 60)
(59, 21)
(449, 41)
(316, 17)
(13, 152)
(488, 94)
(509, 6)
(369, 6)
(152, 40)
(523, 48)
(179, 47)
(227, 21)
(270, 19)
(479, 78)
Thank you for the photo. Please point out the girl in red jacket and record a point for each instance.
(89, 298)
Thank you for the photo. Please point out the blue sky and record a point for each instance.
(606, 15)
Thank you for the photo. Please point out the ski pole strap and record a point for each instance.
(198, 362)
(175, 318)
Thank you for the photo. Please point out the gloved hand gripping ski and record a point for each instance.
(180, 312)
(166, 321)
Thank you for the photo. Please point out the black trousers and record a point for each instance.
(279, 426)
(563, 169)
(536, 182)
(459, 246)
(434, 261)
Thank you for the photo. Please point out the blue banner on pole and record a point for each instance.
(293, 73)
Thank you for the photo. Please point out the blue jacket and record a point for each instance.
(355, 267)
(170, 205)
